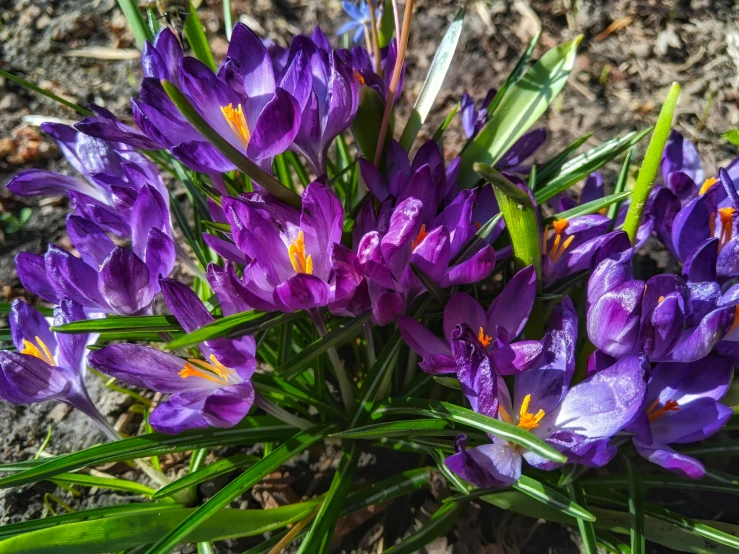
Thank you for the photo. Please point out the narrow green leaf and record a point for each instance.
(590, 207)
(273, 387)
(636, 504)
(227, 18)
(333, 338)
(250, 431)
(236, 325)
(587, 531)
(387, 24)
(445, 124)
(432, 286)
(272, 185)
(583, 165)
(216, 469)
(116, 324)
(650, 165)
(198, 41)
(515, 75)
(475, 243)
(623, 177)
(449, 382)
(401, 429)
(238, 486)
(662, 482)
(434, 79)
(129, 530)
(365, 124)
(457, 414)
(553, 165)
(35, 88)
(519, 109)
(141, 31)
(732, 136)
(520, 218)
(438, 525)
(321, 532)
(111, 483)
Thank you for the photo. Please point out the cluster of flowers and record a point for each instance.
(642, 381)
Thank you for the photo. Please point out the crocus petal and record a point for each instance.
(701, 263)
(72, 278)
(511, 308)
(420, 339)
(124, 282)
(473, 270)
(486, 466)
(522, 149)
(469, 115)
(666, 457)
(39, 182)
(592, 189)
(202, 157)
(181, 412)
(227, 406)
(31, 269)
(27, 323)
(685, 383)
(302, 292)
(475, 372)
(159, 258)
(25, 379)
(698, 342)
(463, 309)
(276, 127)
(249, 51)
(404, 226)
(185, 305)
(114, 130)
(321, 221)
(71, 346)
(388, 305)
(373, 179)
(613, 321)
(727, 263)
(90, 240)
(681, 155)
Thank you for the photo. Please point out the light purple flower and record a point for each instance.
(215, 392)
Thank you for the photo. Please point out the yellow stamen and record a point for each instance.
(558, 247)
(359, 78)
(421, 235)
(603, 211)
(707, 184)
(670, 406)
(726, 216)
(41, 351)
(237, 122)
(483, 338)
(527, 420)
(660, 300)
(505, 416)
(296, 251)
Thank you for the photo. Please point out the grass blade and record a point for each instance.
(623, 177)
(445, 124)
(636, 506)
(141, 31)
(251, 430)
(515, 75)
(110, 483)
(196, 37)
(117, 324)
(519, 109)
(590, 207)
(272, 185)
(221, 467)
(650, 165)
(587, 531)
(242, 483)
(457, 414)
(434, 79)
(555, 163)
(408, 428)
(334, 337)
(35, 88)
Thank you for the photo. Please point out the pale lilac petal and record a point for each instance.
(486, 466)
(666, 457)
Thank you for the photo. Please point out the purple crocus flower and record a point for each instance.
(119, 185)
(474, 117)
(328, 97)
(415, 235)
(682, 406)
(362, 63)
(108, 278)
(495, 329)
(664, 318)
(215, 392)
(47, 365)
(579, 421)
(287, 254)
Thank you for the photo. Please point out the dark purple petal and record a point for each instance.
(696, 343)
(486, 466)
(463, 309)
(592, 189)
(431, 256)
(701, 263)
(276, 127)
(469, 115)
(473, 270)
(511, 308)
(405, 224)
(72, 278)
(72, 347)
(228, 406)
(302, 292)
(681, 185)
(160, 257)
(124, 282)
(422, 341)
(321, 221)
(388, 306)
(475, 372)
(373, 179)
(522, 149)
(681, 155)
(249, 51)
(31, 269)
(185, 305)
(727, 263)
(39, 182)
(613, 320)
(27, 323)
(26, 379)
(233, 296)
(373, 264)
(114, 130)
(692, 422)
(89, 240)
(666, 457)
(182, 412)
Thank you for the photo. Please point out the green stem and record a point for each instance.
(347, 392)
(282, 415)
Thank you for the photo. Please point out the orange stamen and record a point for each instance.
(726, 216)
(483, 338)
(237, 122)
(505, 416)
(735, 324)
(707, 184)
(41, 351)
(670, 406)
(421, 235)
(527, 420)
(359, 78)
(216, 372)
(660, 300)
(296, 252)
(558, 247)
(544, 240)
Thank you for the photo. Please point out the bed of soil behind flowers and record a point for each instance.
(631, 52)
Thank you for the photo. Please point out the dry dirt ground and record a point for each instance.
(631, 52)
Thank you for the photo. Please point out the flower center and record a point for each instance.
(41, 351)
(654, 413)
(483, 338)
(707, 184)
(237, 122)
(726, 229)
(296, 251)
(526, 420)
(215, 371)
(558, 247)
(419, 238)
